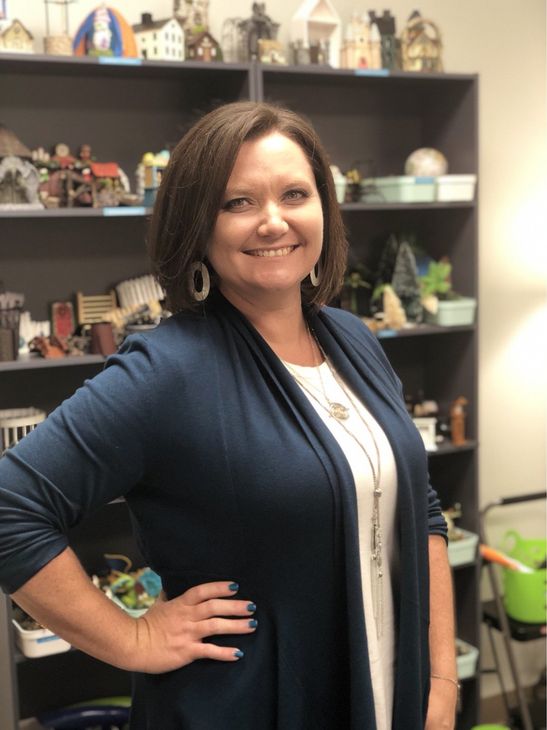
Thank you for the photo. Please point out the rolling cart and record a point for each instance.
(526, 715)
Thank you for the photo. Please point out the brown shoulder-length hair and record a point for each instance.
(191, 191)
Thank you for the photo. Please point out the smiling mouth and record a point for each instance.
(271, 252)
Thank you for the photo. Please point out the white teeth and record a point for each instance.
(272, 252)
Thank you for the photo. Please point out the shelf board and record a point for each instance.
(361, 73)
(449, 448)
(33, 362)
(362, 207)
(109, 212)
(423, 329)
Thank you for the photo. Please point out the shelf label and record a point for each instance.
(120, 61)
(371, 72)
(121, 210)
(383, 334)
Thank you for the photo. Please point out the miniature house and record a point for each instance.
(19, 178)
(15, 38)
(203, 47)
(362, 46)
(316, 23)
(160, 39)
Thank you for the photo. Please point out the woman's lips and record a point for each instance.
(271, 252)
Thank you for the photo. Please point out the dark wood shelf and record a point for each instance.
(46, 213)
(373, 207)
(423, 330)
(33, 362)
(449, 448)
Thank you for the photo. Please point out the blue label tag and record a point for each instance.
(128, 210)
(387, 333)
(371, 71)
(424, 180)
(46, 638)
(120, 61)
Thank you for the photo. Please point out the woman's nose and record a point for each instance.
(273, 223)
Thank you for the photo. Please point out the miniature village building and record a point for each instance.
(160, 39)
(203, 47)
(362, 47)
(316, 24)
(15, 38)
(19, 178)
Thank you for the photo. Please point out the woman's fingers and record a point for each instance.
(219, 653)
(220, 626)
(206, 591)
(223, 607)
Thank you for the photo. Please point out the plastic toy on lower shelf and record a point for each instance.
(466, 659)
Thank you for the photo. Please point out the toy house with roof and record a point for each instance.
(160, 39)
(316, 23)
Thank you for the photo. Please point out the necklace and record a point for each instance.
(333, 408)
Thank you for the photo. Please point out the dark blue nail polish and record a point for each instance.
(251, 607)
(253, 623)
(239, 653)
(233, 587)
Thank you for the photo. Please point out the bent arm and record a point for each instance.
(62, 597)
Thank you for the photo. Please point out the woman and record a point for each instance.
(275, 480)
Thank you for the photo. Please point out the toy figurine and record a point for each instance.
(19, 179)
(457, 421)
(58, 43)
(104, 32)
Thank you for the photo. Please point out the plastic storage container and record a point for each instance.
(399, 189)
(454, 312)
(463, 551)
(525, 593)
(466, 660)
(38, 642)
(455, 188)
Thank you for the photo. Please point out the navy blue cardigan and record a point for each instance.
(229, 474)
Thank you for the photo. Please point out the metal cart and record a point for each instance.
(526, 716)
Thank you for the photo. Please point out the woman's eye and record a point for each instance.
(295, 194)
(235, 203)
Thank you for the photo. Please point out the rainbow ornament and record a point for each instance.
(104, 32)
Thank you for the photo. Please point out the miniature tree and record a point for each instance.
(406, 284)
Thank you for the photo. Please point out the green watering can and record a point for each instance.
(524, 593)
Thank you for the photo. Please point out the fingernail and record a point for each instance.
(233, 587)
(253, 623)
(239, 653)
(251, 607)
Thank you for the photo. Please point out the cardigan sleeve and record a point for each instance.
(90, 450)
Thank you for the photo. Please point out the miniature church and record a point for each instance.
(362, 46)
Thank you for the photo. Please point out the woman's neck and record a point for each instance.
(282, 325)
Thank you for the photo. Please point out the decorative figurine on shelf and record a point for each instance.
(14, 37)
(58, 42)
(200, 44)
(421, 45)
(340, 183)
(104, 32)
(390, 44)
(457, 421)
(258, 26)
(270, 51)
(203, 47)
(19, 178)
(63, 323)
(394, 314)
(361, 47)
(160, 39)
(316, 31)
(354, 281)
(149, 173)
(406, 284)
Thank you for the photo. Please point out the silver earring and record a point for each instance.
(200, 268)
(315, 274)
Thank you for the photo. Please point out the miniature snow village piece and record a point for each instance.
(457, 421)
(390, 44)
(362, 45)
(270, 51)
(258, 27)
(19, 179)
(203, 47)
(394, 314)
(233, 41)
(160, 39)
(421, 45)
(316, 28)
(57, 41)
(105, 32)
(194, 19)
(14, 37)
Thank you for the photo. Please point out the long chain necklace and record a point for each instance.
(341, 413)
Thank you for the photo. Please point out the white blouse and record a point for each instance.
(315, 382)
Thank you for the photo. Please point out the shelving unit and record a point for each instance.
(124, 109)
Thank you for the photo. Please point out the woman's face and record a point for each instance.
(269, 231)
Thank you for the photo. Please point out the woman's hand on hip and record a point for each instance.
(170, 634)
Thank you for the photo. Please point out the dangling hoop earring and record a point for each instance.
(315, 274)
(200, 268)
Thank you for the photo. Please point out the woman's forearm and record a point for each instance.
(62, 598)
(441, 601)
